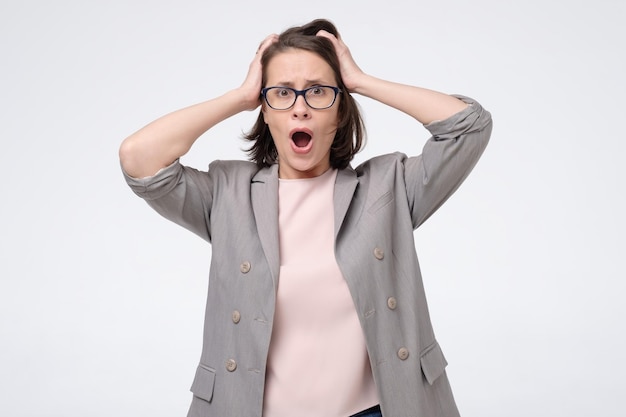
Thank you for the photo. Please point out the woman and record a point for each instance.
(316, 304)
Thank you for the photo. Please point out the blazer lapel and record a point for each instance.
(264, 194)
(345, 185)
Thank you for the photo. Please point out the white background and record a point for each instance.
(102, 301)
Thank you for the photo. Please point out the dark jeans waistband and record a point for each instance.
(370, 412)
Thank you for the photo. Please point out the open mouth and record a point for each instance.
(301, 139)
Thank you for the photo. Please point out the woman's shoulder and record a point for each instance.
(383, 162)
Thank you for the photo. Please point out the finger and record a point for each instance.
(336, 41)
(326, 34)
(267, 42)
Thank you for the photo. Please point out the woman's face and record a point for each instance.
(302, 135)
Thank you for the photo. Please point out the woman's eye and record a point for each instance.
(317, 91)
(283, 92)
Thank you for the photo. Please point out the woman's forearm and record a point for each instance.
(424, 105)
(161, 142)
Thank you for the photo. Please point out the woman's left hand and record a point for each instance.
(350, 71)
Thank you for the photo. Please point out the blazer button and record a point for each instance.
(236, 316)
(392, 303)
(245, 267)
(379, 253)
(231, 365)
(403, 353)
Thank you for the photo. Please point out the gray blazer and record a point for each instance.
(377, 206)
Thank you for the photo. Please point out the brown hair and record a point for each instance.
(350, 129)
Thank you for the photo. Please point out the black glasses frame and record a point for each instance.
(302, 93)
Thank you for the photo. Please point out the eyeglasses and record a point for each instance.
(318, 97)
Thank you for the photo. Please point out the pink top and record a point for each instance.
(318, 363)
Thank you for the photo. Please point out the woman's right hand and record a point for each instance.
(251, 87)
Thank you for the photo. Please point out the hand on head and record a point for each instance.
(350, 71)
(251, 86)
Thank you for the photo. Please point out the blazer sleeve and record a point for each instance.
(447, 159)
(181, 194)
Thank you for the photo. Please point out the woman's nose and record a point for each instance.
(300, 109)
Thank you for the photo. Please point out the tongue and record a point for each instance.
(301, 139)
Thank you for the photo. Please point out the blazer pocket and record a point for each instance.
(433, 362)
(381, 202)
(203, 383)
